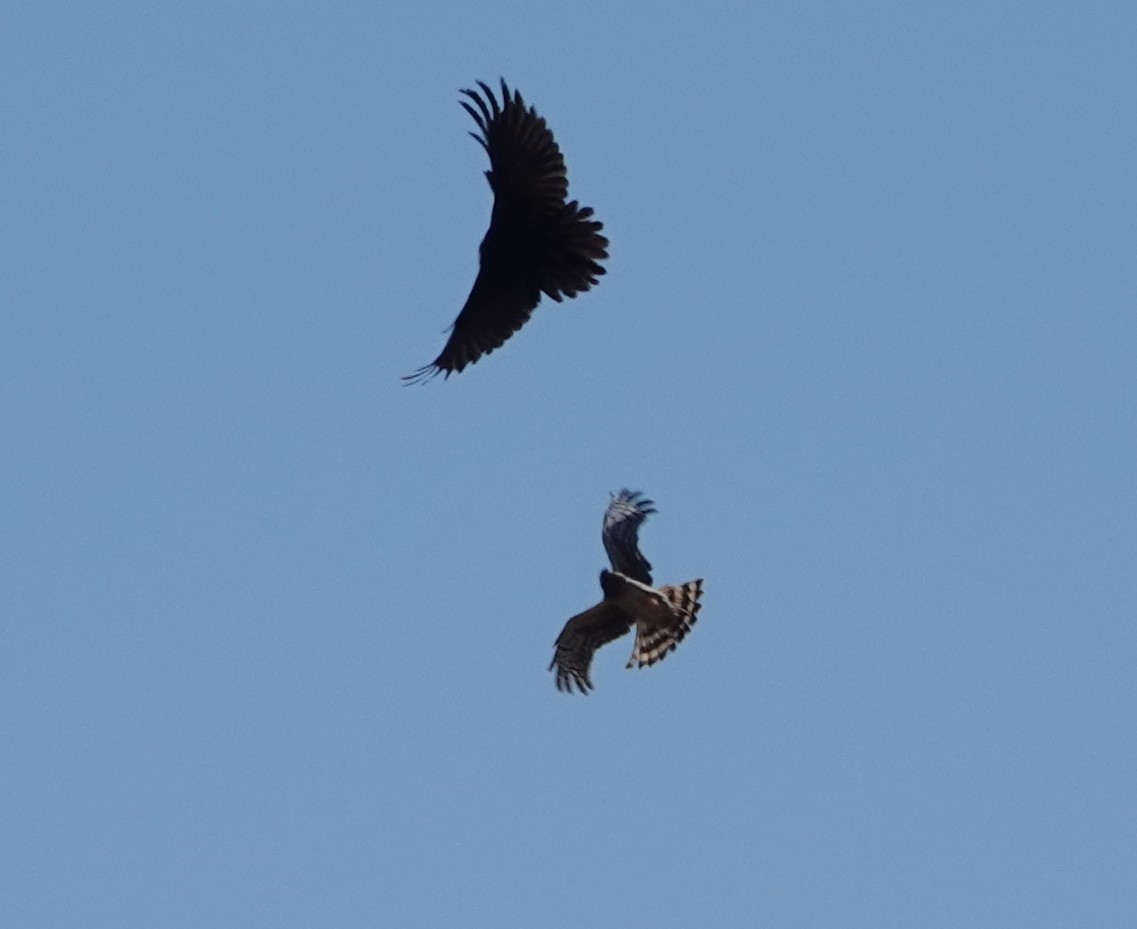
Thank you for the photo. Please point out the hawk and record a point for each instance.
(536, 243)
(662, 616)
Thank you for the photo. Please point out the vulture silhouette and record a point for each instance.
(537, 243)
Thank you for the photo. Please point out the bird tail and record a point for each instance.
(653, 644)
(569, 262)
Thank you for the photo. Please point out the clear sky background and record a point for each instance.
(276, 628)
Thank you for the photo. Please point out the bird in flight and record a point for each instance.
(536, 243)
(662, 616)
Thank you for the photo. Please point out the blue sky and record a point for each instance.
(276, 628)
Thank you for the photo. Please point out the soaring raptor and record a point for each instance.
(537, 243)
(662, 616)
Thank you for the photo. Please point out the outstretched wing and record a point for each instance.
(627, 510)
(579, 640)
(536, 243)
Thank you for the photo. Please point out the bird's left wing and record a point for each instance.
(579, 640)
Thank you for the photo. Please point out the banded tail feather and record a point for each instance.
(653, 644)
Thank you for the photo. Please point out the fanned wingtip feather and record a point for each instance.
(567, 677)
(422, 375)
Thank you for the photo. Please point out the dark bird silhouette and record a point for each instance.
(537, 243)
(662, 616)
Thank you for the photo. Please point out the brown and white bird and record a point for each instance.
(536, 243)
(662, 616)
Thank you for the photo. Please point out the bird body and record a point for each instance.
(662, 616)
(537, 243)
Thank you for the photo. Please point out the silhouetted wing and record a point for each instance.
(627, 510)
(536, 243)
(579, 640)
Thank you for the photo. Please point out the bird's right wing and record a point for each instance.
(627, 510)
(579, 640)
